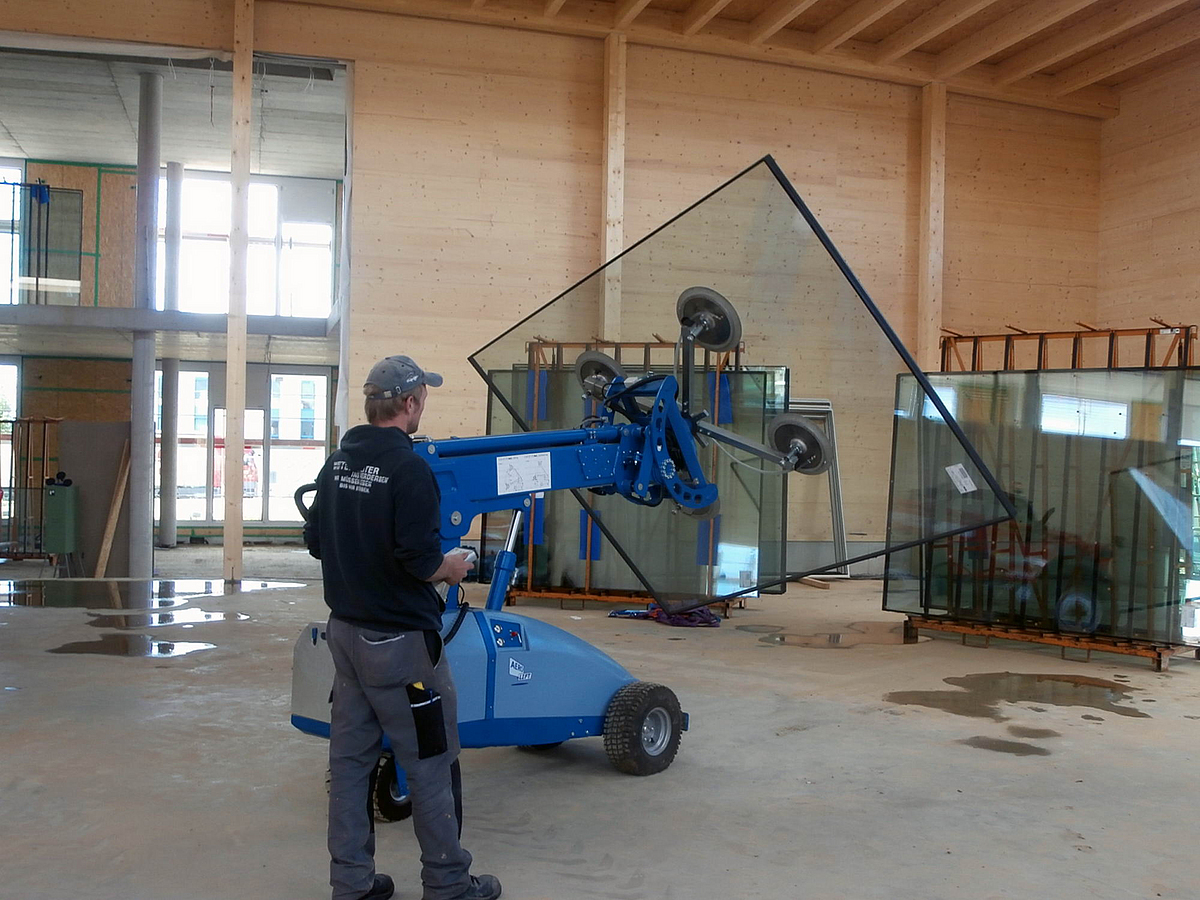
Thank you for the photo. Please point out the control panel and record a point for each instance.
(508, 635)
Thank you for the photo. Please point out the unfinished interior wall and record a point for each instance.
(476, 188)
(1022, 217)
(109, 213)
(1150, 202)
(849, 145)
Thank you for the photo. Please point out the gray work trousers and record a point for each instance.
(369, 700)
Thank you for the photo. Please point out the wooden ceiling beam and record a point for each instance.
(1004, 32)
(700, 14)
(1133, 52)
(941, 18)
(627, 11)
(722, 37)
(774, 17)
(1109, 21)
(851, 22)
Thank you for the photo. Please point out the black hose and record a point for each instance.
(463, 609)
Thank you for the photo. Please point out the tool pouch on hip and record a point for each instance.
(430, 722)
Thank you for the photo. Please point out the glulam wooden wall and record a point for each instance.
(1150, 209)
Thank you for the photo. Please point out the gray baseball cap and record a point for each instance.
(398, 375)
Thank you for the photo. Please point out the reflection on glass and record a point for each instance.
(1103, 474)
(191, 455)
(753, 242)
(252, 465)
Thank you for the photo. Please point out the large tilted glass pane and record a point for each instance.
(754, 243)
(1100, 468)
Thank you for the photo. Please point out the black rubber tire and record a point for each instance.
(539, 748)
(387, 805)
(627, 713)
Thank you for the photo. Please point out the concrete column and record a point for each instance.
(141, 429)
(168, 479)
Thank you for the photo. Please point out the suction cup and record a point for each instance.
(788, 428)
(704, 513)
(596, 371)
(722, 329)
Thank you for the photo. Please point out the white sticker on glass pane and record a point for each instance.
(962, 480)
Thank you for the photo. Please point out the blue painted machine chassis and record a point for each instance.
(542, 684)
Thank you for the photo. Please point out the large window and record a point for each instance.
(285, 444)
(289, 269)
(10, 232)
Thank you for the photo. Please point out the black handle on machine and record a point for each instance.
(299, 498)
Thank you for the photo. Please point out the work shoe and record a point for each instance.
(485, 887)
(382, 889)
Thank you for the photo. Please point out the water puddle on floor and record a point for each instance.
(1035, 733)
(852, 635)
(185, 617)
(1016, 748)
(133, 645)
(982, 694)
(124, 595)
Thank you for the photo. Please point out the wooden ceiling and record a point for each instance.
(1062, 54)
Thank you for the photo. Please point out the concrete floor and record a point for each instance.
(181, 778)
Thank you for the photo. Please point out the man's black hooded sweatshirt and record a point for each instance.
(375, 527)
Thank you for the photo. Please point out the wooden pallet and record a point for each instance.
(1158, 654)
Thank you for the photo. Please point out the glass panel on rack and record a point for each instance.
(748, 274)
(252, 466)
(1100, 468)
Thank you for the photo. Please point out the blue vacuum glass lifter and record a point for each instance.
(523, 682)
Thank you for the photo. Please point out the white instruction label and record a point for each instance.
(962, 481)
(523, 474)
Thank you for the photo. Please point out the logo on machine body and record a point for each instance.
(517, 671)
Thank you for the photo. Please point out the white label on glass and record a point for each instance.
(962, 481)
(523, 474)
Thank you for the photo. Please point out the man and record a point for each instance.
(375, 527)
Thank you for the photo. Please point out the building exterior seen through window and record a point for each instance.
(285, 444)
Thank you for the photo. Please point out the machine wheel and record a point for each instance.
(539, 748)
(388, 804)
(642, 728)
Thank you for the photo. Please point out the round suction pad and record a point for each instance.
(596, 371)
(787, 428)
(704, 513)
(722, 327)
